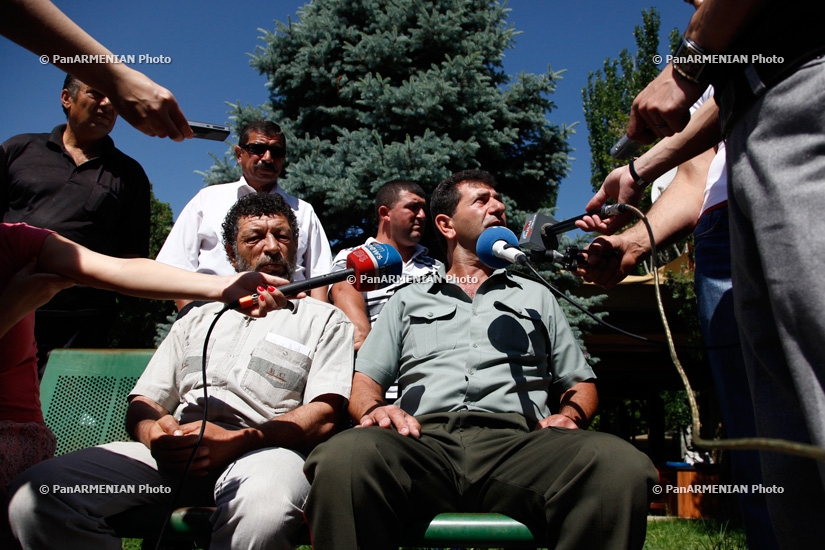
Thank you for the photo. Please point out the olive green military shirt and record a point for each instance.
(506, 350)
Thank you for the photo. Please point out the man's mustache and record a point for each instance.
(272, 260)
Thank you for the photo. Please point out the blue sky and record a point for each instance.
(208, 42)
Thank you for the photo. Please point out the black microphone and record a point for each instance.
(539, 232)
(369, 267)
(532, 236)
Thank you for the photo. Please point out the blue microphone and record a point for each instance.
(497, 247)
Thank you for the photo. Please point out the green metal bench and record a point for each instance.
(444, 530)
(83, 396)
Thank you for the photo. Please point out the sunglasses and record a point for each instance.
(258, 149)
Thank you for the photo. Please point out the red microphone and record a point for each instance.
(369, 267)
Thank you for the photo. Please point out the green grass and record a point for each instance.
(662, 534)
(687, 534)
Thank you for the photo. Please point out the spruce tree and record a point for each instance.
(372, 90)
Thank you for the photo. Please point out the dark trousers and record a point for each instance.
(578, 489)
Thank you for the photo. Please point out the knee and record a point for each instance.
(619, 463)
(28, 493)
(241, 519)
(608, 460)
(352, 452)
(246, 518)
(283, 492)
(21, 505)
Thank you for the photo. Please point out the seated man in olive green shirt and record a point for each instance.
(484, 358)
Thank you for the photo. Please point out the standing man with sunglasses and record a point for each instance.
(195, 241)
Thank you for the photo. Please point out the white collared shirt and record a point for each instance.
(196, 244)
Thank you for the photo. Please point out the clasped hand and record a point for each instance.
(171, 444)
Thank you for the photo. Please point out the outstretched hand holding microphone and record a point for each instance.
(369, 267)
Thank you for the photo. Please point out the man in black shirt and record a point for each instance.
(77, 183)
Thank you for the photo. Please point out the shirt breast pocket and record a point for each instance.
(518, 332)
(277, 373)
(430, 332)
(190, 373)
(102, 201)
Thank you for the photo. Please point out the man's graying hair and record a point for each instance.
(256, 205)
(71, 84)
(265, 127)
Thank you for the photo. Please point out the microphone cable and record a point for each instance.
(805, 450)
(179, 488)
(560, 293)
(567, 225)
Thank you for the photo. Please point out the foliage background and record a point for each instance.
(371, 90)
(607, 99)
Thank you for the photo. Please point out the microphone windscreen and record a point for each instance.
(376, 265)
(484, 245)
